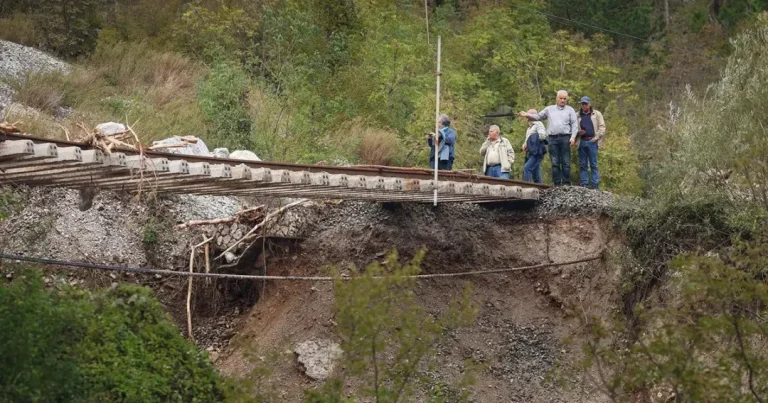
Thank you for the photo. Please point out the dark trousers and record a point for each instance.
(588, 159)
(560, 155)
(443, 165)
(532, 168)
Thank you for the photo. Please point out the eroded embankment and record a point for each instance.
(525, 318)
(528, 321)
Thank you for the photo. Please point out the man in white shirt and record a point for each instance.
(498, 154)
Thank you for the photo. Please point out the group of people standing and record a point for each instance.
(565, 129)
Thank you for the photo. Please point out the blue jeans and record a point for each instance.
(560, 155)
(495, 172)
(588, 157)
(532, 168)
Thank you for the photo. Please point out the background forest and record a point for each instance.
(682, 85)
(350, 81)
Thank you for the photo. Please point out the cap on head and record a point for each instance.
(585, 100)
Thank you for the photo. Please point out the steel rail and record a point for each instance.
(367, 170)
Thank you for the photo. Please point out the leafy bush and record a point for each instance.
(706, 344)
(223, 98)
(387, 336)
(377, 147)
(69, 27)
(113, 345)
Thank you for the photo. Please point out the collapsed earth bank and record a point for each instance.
(529, 321)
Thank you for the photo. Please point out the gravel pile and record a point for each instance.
(575, 201)
(17, 60)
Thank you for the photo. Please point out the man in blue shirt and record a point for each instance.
(447, 141)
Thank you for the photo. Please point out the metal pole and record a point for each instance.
(426, 16)
(437, 117)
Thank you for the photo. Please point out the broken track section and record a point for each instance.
(39, 162)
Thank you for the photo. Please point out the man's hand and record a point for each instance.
(581, 132)
(573, 142)
(523, 114)
(525, 147)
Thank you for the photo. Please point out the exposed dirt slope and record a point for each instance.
(525, 318)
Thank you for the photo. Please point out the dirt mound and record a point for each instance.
(525, 318)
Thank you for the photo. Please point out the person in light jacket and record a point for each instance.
(590, 137)
(498, 154)
(535, 146)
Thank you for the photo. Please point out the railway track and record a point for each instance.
(33, 161)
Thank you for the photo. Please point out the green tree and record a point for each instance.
(69, 27)
(388, 336)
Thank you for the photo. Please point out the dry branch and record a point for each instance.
(259, 225)
(6, 127)
(237, 216)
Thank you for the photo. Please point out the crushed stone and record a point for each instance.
(16, 61)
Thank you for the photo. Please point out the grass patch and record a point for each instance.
(378, 147)
(155, 91)
(20, 28)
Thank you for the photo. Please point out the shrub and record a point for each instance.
(222, 96)
(113, 345)
(706, 344)
(387, 336)
(377, 147)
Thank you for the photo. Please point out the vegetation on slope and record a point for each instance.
(114, 345)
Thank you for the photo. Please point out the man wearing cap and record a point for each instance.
(590, 136)
(561, 132)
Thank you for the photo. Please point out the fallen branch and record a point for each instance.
(259, 225)
(6, 127)
(216, 221)
(189, 283)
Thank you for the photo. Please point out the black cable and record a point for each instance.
(563, 19)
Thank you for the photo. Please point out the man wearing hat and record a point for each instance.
(590, 135)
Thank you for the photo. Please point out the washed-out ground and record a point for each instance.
(528, 324)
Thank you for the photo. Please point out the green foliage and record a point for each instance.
(387, 336)
(634, 17)
(69, 27)
(706, 344)
(9, 202)
(301, 82)
(113, 345)
(715, 143)
(39, 332)
(222, 97)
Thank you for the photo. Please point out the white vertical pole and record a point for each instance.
(437, 117)
(426, 16)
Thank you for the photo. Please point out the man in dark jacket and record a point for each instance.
(446, 139)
